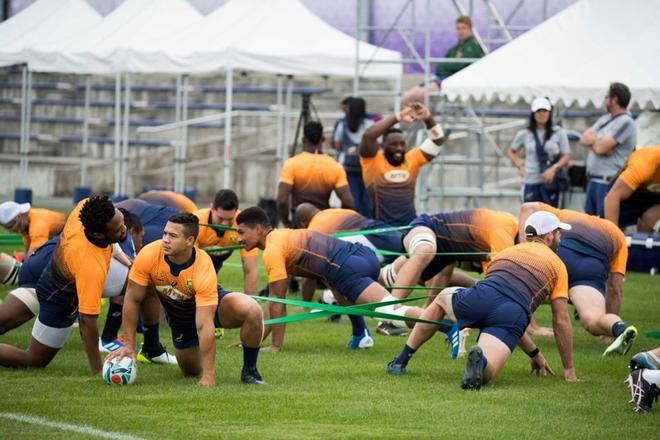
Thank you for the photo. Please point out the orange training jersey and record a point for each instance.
(337, 220)
(313, 176)
(170, 199)
(642, 170)
(392, 189)
(299, 252)
(528, 273)
(78, 266)
(42, 225)
(599, 235)
(213, 237)
(180, 288)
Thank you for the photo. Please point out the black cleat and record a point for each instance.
(643, 393)
(387, 329)
(474, 369)
(252, 377)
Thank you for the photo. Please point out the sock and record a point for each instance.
(652, 377)
(358, 324)
(152, 340)
(618, 328)
(112, 322)
(404, 356)
(250, 356)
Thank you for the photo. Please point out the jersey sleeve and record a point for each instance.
(205, 282)
(518, 140)
(635, 173)
(275, 263)
(141, 267)
(620, 259)
(561, 285)
(416, 158)
(39, 232)
(286, 173)
(90, 279)
(340, 180)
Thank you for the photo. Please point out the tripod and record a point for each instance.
(303, 118)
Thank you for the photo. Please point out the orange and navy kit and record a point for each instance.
(392, 188)
(348, 268)
(170, 199)
(517, 281)
(313, 177)
(642, 174)
(42, 225)
(480, 232)
(213, 237)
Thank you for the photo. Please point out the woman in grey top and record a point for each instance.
(552, 140)
(347, 138)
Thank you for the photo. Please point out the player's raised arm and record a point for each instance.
(370, 145)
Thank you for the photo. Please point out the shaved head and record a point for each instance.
(304, 214)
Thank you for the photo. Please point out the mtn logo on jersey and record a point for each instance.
(654, 188)
(397, 176)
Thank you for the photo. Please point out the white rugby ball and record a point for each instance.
(119, 372)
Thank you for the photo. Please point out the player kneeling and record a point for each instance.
(184, 280)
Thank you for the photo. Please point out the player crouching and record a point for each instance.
(184, 280)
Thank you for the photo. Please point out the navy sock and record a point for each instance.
(618, 328)
(358, 324)
(404, 356)
(112, 322)
(250, 356)
(152, 340)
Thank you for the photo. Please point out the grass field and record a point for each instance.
(318, 388)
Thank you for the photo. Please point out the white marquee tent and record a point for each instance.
(572, 57)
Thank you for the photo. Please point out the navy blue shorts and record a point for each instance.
(491, 312)
(632, 208)
(184, 335)
(153, 229)
(31, 270)
(584, 269)
(359, 269)
(58, 310)
(389, 241)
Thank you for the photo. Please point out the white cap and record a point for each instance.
(541, 104)
(9, 211)
(543, 222)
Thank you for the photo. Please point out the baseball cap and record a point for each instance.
(9, 211)
(542, 222)
(541, 104)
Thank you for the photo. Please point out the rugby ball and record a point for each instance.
(328, 298)
(119, 372)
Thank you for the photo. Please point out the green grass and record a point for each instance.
(318, 388)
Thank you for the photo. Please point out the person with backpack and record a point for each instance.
(546, 152)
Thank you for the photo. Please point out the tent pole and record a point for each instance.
(117, 151)
(356, 75)
(124, 153)
(427, 51)
(280, 127)
(228, 113)
(184, 134)
(177, 145)
(287, 117)
(85, 139)
(26, 113)
(21, 148)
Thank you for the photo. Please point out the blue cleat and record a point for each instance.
(474, 369)
(454, 339)
(396, 369)
(363, 341)
(644, 359)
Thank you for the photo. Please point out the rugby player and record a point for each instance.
(635, 195)
(518, 279)
(390, 175)
(311, 176)
(72, 285)
(350, 270)
(170, 199)
(595, 253)
(36, 225)
(223, 212)
(186, 284)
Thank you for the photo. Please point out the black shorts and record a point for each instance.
(184, 335)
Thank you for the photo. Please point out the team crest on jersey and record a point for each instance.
(397, 176)
(160, 277)
(189, 285)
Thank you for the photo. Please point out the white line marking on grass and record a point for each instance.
(82, 429)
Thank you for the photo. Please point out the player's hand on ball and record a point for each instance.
(122, 353)
(540, 366)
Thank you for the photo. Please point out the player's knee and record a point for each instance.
(253, 312)
(590, 323)
(422, 247)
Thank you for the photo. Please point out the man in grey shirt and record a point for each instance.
(610, 141)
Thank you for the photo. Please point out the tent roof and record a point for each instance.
(44, 20)
(275, 36)
(98, 50)
(572, 57)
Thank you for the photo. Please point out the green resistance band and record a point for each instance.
(352, 310)
(222, 248)
(405, 254)
(654, 334)
(219, 227)
(370, 231)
